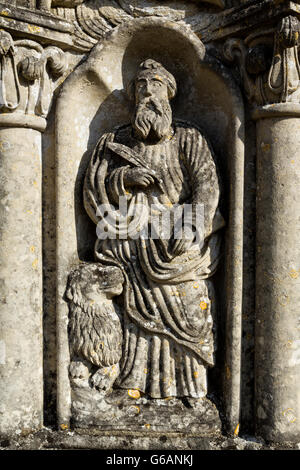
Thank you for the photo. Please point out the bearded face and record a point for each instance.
(153, 114)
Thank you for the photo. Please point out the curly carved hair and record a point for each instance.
(95, 331)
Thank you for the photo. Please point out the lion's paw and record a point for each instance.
(104, 378)
(78, 370)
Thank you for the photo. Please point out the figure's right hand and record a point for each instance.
(138, 177)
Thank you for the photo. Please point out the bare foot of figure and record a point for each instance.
(104, 378)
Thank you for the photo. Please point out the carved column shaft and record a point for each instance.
(277, 278)
(25, 91)
(21, 364)
(277, 240)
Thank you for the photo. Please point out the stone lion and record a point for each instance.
(95, 330)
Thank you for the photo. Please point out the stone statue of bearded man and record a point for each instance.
(167, 303)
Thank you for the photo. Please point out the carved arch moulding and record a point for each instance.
(94, 357)
(105, 102)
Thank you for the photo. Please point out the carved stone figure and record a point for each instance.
(156, 165)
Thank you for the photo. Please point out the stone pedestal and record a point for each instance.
(21, 374)
(278, 273)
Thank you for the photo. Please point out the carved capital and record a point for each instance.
(29, 73)
(269, 63)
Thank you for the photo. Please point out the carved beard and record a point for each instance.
(153, 119)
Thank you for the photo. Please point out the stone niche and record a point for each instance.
(93, 101)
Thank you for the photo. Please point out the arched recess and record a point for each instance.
(92, 101)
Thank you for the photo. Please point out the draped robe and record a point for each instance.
(168, 302)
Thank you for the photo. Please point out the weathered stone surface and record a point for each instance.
(48, 439)
(160, 346)
(21, 372)
(277, 335)
(120, 411)
(67, 244)
(26, 95)
(264, 34)
(270, 72)
(29, 73)
(95, 18)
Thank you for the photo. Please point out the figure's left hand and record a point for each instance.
(180, 246)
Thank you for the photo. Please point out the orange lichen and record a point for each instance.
(33, 29)
(289, 414)
(35, 263)
(294, 274)
(265, 147)
(134, 393)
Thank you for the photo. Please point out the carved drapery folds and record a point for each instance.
(28, 75)
(269, 67)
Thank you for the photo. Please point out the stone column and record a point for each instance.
(44, 4)
(25, 99)
(270, 69)
(21, 375)
(277, 389)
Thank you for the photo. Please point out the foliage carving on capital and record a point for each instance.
(270, 72)
(28, 75)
